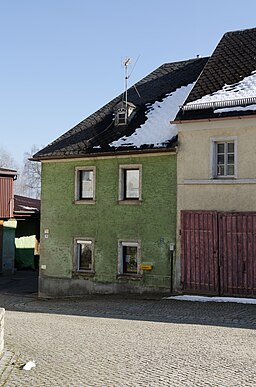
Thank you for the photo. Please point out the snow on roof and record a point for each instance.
(157, 128)
(244, 89)
(28, 208)
(235, 108)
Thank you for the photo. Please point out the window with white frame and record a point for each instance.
(84, 260)
(130, 182)
(85, 184)
(224, 158)
(129, 257)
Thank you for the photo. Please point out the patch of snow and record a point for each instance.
(244, 89)
(236, 108)
(157, 128)
(96, 147)
(213, 299)
(29, 365)
(28, 208)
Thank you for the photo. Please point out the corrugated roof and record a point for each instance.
(94, 134)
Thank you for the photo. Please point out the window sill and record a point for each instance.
(129, 277)
(85, 201)
(130, 201)
(220, 181)
(83, 274)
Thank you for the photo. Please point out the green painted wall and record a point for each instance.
(25, 239)
(8, 249)
(153, 221)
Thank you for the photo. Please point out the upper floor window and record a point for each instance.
(130, 182)
(224, 157)
(121, 118)
(85, 184)
(123, 112)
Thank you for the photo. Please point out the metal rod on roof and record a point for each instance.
(127, 61)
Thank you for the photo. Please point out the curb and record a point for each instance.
(7, 359)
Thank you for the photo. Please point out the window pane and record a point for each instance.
(132, 183)
(86, 185)
(84, 256)
(230, 170)
(220, 159)
(121, 118)
(220, 148)
(231, 147)
(130, 259)
(231, 159)
(220, 170)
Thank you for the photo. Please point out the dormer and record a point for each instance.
(123, 112)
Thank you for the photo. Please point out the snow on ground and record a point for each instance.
(213, 299)
(235, 108)
(157, 128)
(246, 88)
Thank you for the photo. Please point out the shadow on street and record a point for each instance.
(19, 293)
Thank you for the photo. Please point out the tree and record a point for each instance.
(6, 160)
(30, 177)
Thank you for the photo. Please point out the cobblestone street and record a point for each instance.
(125, 341)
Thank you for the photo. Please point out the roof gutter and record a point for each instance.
(105, 154)
(176, 122)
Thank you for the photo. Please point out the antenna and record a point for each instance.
(126, 62)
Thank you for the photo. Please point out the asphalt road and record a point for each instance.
(124, 341)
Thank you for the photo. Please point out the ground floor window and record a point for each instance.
(129, 257)
(84, 255)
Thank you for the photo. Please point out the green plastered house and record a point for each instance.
(108, 204)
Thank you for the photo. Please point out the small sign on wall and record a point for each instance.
(46, 233)
(146, 266)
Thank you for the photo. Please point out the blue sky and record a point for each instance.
(61, 60)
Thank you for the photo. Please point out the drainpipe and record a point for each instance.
(172, 249)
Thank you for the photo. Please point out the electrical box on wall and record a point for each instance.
(172, 246)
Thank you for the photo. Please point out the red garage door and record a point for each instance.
(218, 253)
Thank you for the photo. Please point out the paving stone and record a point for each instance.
(128, 341)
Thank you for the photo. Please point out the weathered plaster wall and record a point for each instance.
(153, 221)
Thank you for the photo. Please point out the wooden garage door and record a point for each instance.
(237, 253)
(218, 253)
(199, 262)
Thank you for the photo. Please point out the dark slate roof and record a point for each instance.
(233, 59)
(98, 130)
(23, 204)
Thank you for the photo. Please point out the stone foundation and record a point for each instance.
(2, 312)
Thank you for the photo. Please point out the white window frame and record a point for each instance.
(121, 117)
(128, 243)
(79, 200)
(213, 157)
(122, 169)
(77, 241)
